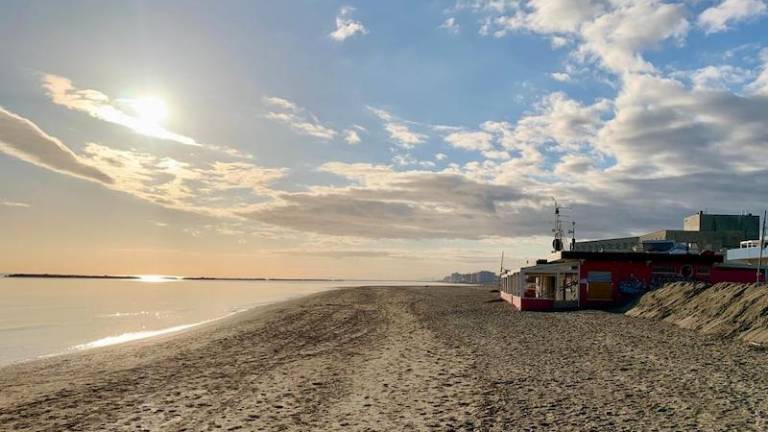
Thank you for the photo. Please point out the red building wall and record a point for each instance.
(734, 274)
(629, 271)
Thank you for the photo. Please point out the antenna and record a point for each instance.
(761, 246)
(572, 232)
(557, 243)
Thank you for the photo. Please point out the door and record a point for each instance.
(599, 286)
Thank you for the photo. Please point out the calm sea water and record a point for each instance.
(40, 317)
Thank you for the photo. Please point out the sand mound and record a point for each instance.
(726, 309)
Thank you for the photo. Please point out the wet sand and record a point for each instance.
(380, 359)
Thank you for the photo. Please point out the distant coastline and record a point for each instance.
(170, 278)
(67, 276)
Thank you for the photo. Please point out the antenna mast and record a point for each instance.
(762, 247)
(557, 243)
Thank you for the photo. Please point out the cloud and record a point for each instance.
(760, 85)
(383, 203)
(615, 33)
(560, 120)
(478, 140)
(661, 128)
(560, 76)
(21, 138)
(398, 130)
(559, 41)
(351, 137)
(619, 37)
(347, 27)
(212, 188)
(297, 118)
(403, 135)
(98, 105)
(717, 77)
(450, 25)
(557, 124)
(728, 12)
(545, 16)
(14, 204)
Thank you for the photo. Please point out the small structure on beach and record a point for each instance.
(570, 279)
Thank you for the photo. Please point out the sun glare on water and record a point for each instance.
(157, 278)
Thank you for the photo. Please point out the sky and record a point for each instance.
(389, 140)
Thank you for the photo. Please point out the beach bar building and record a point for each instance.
(572, 279)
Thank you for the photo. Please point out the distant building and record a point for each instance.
(701, 232)
(481, 277)
(749, 254)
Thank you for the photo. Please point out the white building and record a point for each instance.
(748, 253)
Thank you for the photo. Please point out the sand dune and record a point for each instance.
(725, 309)
(381, 359)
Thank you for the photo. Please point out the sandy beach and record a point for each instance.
(400, 358)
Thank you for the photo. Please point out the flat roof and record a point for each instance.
(636, 256)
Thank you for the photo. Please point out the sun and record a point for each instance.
(150, 110)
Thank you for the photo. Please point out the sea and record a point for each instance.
(42, 317)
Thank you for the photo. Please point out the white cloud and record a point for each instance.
(297, 118)
(760, 84)
(164, 181)
(477, 140)
(619, 37)
(14, 204)
(548, 16)
(402, 134)
(613, 32)
(718, 77)
(281, 103)
(98, 105)
(441, 156)
(557, 119)
(450, 25)
(172, 183)
(559, 41)
(560, 76)
(352, 137)
(398, 130)
(662, 129)
(496, 154)
(347, 27)
(728, 12)
(21, 138)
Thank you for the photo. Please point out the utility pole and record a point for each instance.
(762, 246)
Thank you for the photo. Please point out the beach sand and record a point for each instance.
(416, 358)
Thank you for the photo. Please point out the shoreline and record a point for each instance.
(160, 334)
(399, 358)
(142, 335)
